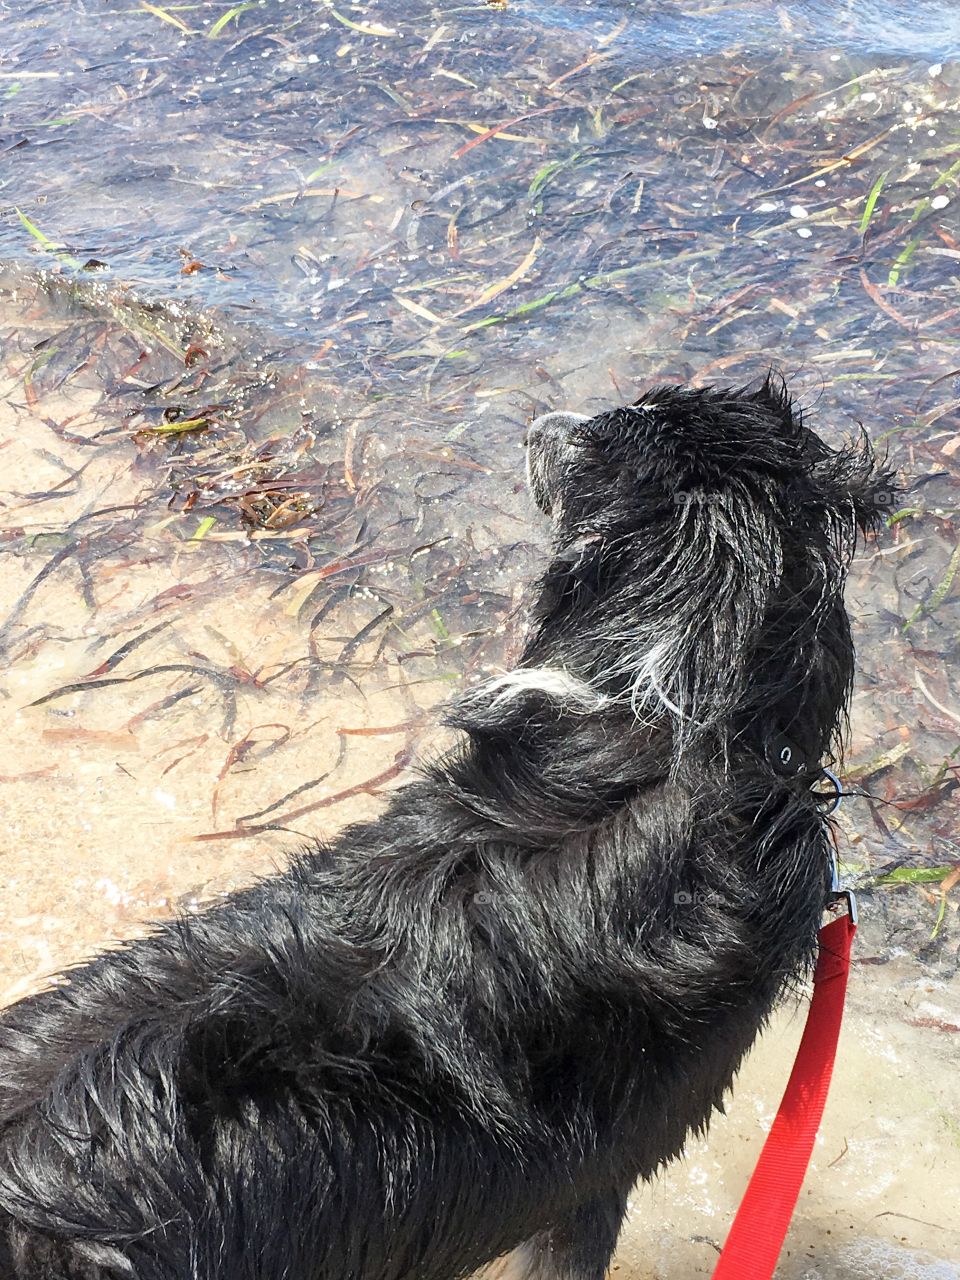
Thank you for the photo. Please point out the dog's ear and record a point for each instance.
(855, 481)
(858, 482)
(874, 486)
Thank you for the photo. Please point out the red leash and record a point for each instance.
(758, 1230)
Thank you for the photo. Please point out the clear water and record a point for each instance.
(148, 149)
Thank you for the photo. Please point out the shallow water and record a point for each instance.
(354, 250)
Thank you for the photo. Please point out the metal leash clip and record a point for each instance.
(838, 788)
(838, 894)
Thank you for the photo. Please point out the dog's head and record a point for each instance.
(677, 447)
(701, 543)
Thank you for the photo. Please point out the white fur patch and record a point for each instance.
(648, 685)
(527, 1262)
(553, 681)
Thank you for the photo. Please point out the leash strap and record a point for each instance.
(759, 1229)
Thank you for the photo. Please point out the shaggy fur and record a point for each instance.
(470, 1025)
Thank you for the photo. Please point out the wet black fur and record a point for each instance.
(477, 1020)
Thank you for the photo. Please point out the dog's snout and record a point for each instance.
(549, 446)
(557, 422)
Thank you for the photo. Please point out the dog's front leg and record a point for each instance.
(578, 1249)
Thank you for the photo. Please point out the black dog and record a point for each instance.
(469, 1026)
